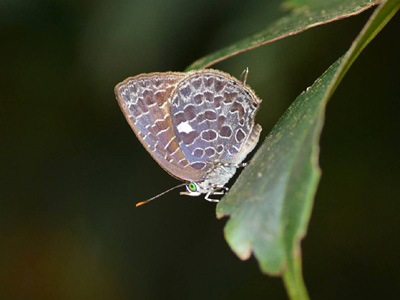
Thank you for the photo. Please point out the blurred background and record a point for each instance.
(72, 169)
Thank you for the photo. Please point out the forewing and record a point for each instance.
(145, 101)
(213, 116)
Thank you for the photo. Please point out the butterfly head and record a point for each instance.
(193, 189)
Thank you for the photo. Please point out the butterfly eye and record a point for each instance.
(192, 187)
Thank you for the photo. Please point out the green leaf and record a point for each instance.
(270, 203)
(272, 198)
(305, 14)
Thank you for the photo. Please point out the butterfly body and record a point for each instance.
(198, 126)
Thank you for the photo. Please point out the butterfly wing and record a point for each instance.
(144, 100)
(213, 116)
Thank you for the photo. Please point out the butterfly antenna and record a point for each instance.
(152, 198)
(244, 75)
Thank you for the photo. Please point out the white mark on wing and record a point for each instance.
(185, 127)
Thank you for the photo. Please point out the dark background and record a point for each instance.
(72, 169)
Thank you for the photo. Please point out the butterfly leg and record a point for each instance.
(217, 189)
(209, 199)
(218, 193)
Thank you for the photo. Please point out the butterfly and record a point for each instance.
(198, 126)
